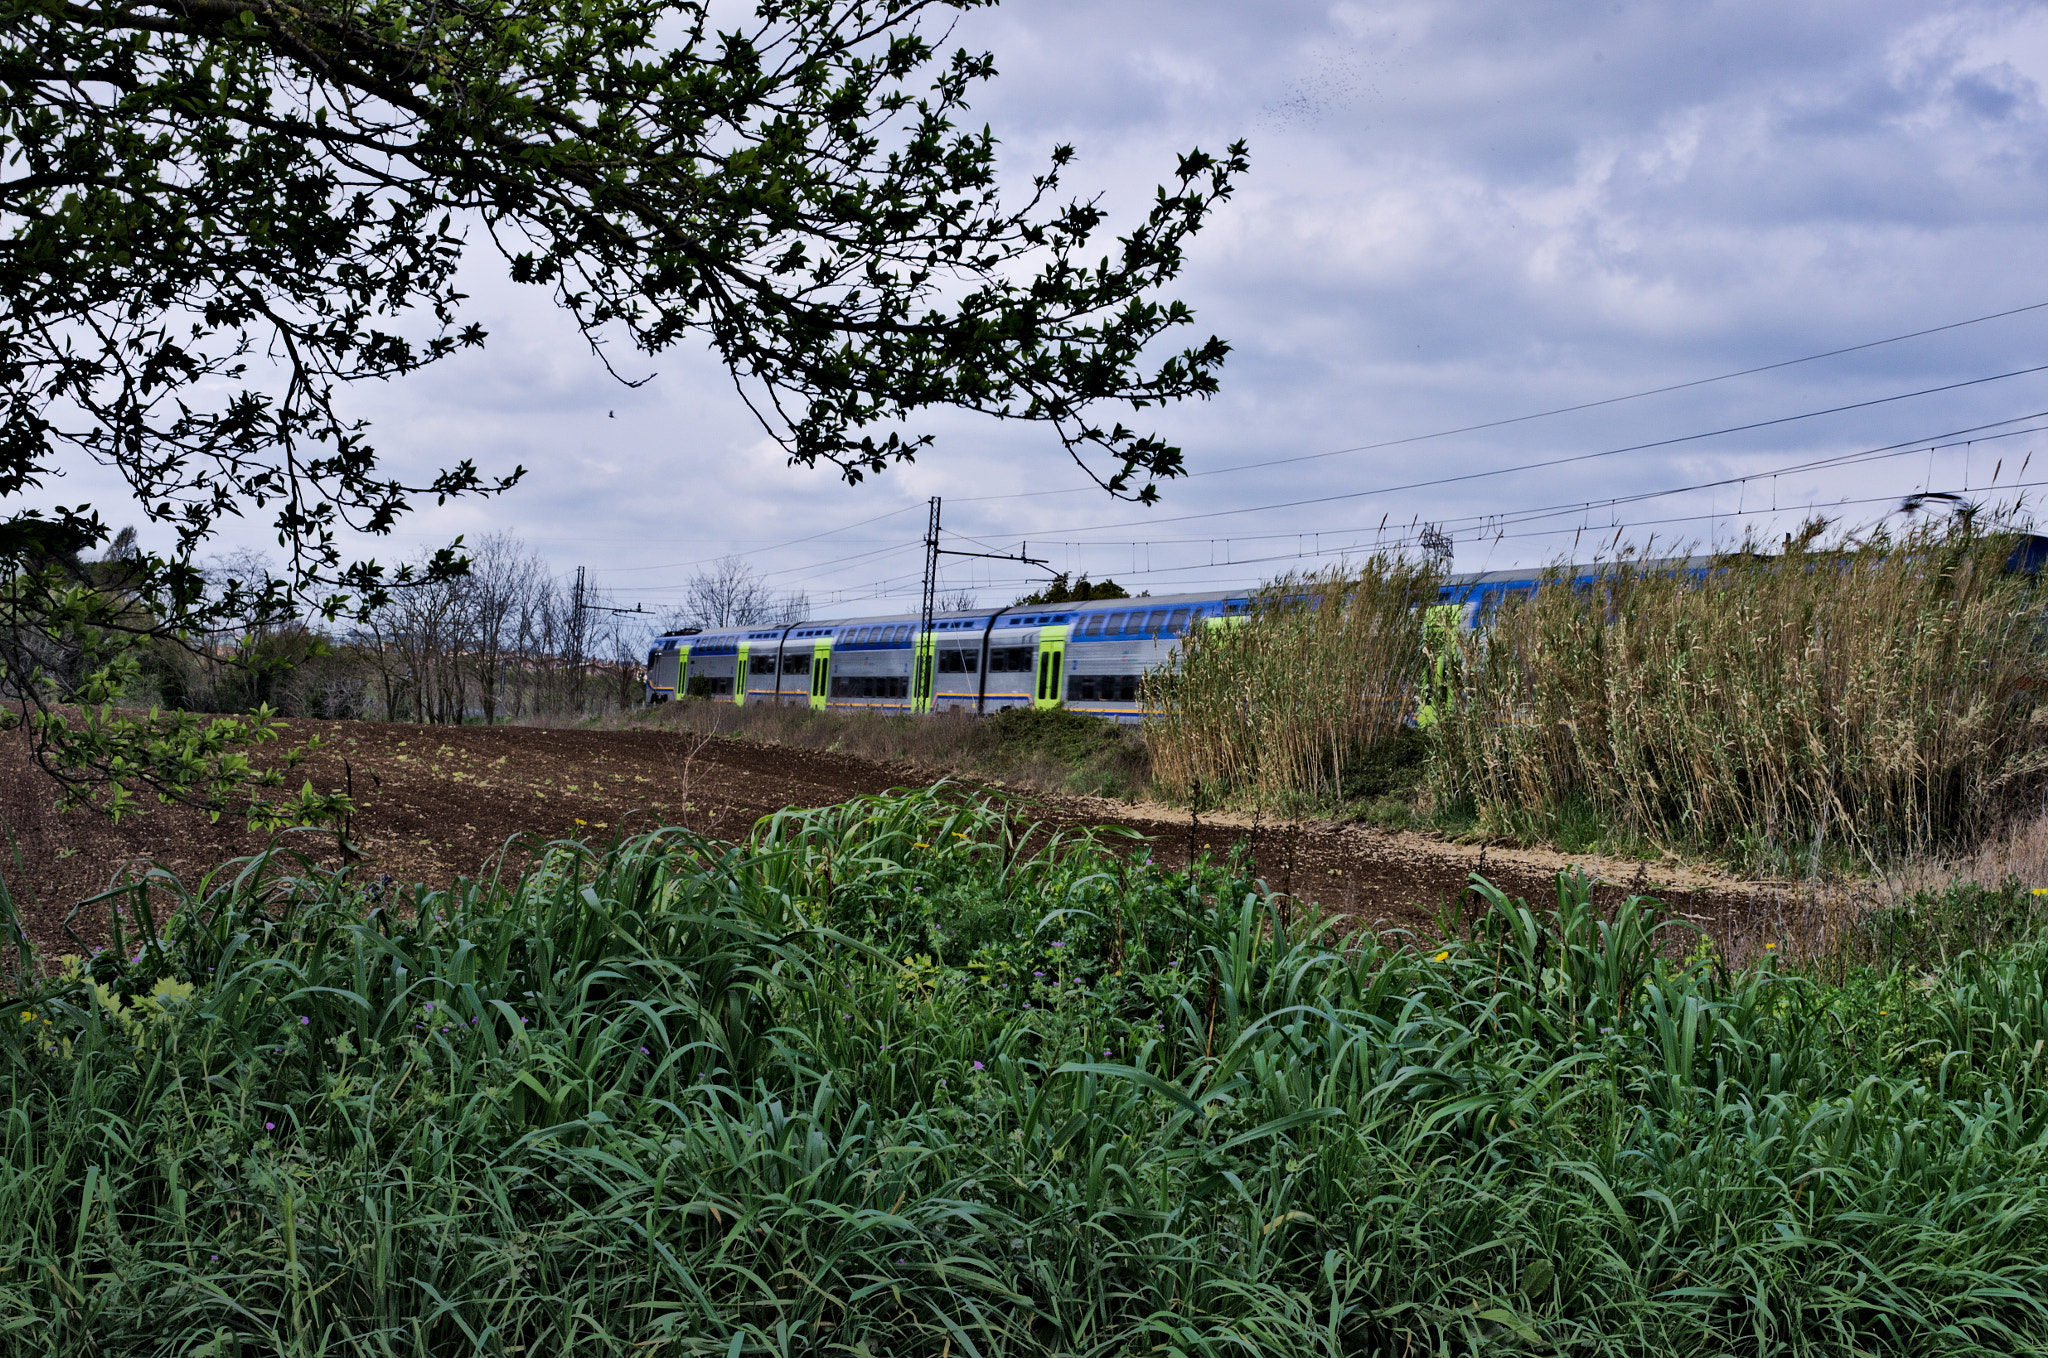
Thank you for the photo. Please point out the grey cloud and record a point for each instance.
(1457, 212)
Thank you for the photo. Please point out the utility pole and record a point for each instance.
(931, 584)
(579, 605)
(921, 684)
(1437, 545)
(576, 622)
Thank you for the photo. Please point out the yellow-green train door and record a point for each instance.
(1439, 662)
(821, 673)
(739, 678)
(1052, 664)
(683, 670)
(921, 667)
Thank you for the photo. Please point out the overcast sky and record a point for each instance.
(1457, 213)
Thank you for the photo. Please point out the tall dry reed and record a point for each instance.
(1285, 699)
(1874, 696)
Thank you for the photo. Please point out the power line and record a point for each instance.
(1513, 518)
(1616, 400)
(773, 546)
(1561, 410)
(1575, 457)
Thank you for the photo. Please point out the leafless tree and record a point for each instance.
(505, 582)
(959, 601)
(729, 594)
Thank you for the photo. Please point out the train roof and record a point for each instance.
(822, 627)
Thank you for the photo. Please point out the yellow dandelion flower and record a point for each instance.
(1443, 956)
(2041, 891)
(921, 846)
(1770, 947)
(27, 1017)
(583, 822)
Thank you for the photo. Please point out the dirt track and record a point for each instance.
(437, 802)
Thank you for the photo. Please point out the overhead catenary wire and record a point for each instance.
(1455, 479)
(1559, 410)
(1568, 459)
(878, 589)
(1981, 433)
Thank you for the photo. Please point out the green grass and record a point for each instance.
(897, 1079)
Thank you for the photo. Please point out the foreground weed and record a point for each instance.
(912, 1076)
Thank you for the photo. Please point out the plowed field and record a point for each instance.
(437, 802)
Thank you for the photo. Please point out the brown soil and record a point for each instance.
(437, 802)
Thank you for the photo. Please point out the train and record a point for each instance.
(1083, 657)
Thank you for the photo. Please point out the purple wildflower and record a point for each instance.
(269, 1126)
(978, 1065)
(304, 1020)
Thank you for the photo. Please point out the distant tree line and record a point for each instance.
(505, 640)
(1058, 591)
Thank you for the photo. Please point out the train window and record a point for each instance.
(796, 662)
(1094, 627)
(954, 660)
(1116, 623)
(1177, 623)
(1010, 660)
(761, 664)
(1102, 688)
(902, 635)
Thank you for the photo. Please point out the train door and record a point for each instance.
(821, 673)
(683, 669)
(1052, 664)
(739, 678)
(921, 673)
(1440, 662)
